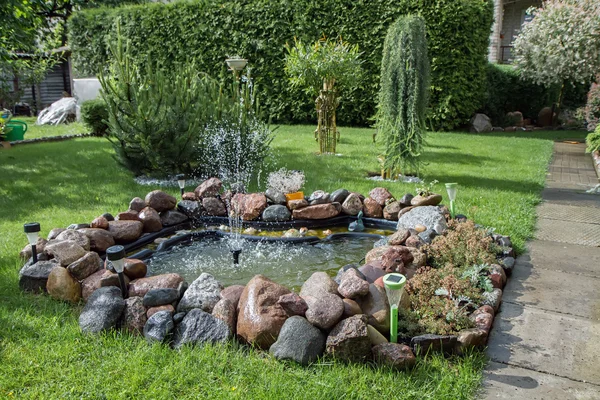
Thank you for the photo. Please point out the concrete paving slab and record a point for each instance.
(568, 197)
(565, 257)
(587, 215)
(554, 291)
(504, 382)
(568, 232)
(544, 341)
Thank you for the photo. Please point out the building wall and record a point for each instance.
(51, 89)
(514, 16)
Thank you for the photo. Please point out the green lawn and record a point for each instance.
(38, 131)
(44, 355)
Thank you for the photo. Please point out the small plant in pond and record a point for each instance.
(403, 95)
(321, 69)
(286, 181)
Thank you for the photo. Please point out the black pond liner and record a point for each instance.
(188, 238)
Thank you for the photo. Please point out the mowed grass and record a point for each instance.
(44, 355)
(39, 131)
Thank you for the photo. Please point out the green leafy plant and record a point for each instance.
(592, 107)
(593, 140)
(404, 94)
(426, 189)
(94, 114)
(479, 276)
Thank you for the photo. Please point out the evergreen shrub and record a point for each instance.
(95, 116)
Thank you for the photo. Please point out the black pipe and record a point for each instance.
(236, 256)
(34, 253)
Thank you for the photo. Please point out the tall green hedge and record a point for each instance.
(208, 30)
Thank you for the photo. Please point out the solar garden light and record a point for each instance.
(451, 188)
(181, 183)
(116, 256)
(32, 230)
(394, 289)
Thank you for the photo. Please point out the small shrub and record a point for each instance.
(593, 140)
(462, 246)
(592, 107)
(95, 116)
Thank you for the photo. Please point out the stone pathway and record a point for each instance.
(545, 343)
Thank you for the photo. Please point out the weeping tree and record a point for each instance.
(404, 95)
(321, 69)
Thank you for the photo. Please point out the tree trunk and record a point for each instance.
(326, 104)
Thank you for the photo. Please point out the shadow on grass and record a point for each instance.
(555, 135)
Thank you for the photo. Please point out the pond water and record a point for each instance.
(289, 264)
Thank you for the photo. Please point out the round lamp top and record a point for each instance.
(236, 64)
(394, 281)
(115, 253)
(180, 177)
(31, 227)
(451, 185)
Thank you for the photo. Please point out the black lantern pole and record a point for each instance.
(32, 230)
(116, 256)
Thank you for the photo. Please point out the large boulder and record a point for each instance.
(481, 123)
(76, 236)
(159, 327)
(428, 216)
(214, 207)
(62, 286)
(85, 266)
(353, 204)
(100, 239)
(209, 188)
(199, 327)
(172, 217)
(375, 305)
(125, 231)
(140, 287)
(203, 293)
(65, 251)
(34, 277)
(102, 311)
(319, 211)
(150, 219)
(298, 341)
(349, 340)
(260, 318)
(380, 195)
(160, 200)
(276, 213)
(134, 315)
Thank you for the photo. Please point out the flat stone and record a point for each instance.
(100, 239)
(203, 293)
(129, 215)
(423, 344)
(102, 311)
(160, 200)
(65, 251)
(62, 286)
(320, 211)
(159, 327)
(140, 287)
(507, 382)
(548, 342)
(299, 341)
(125, 231)
(75, 236)
(199, 327)
(172, 217)
(431, 200)
(85, 266)
(134, 315)
(375, 336)
(160, 297)
(297, 204)
(34, 277)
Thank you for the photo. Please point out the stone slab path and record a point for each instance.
(545, 343)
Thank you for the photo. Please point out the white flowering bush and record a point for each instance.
(286, 181)
(561, 44)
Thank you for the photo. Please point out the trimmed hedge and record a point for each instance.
(206, 31)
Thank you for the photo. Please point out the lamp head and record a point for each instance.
(451, 188)
(181, 180)
(116, 255)
(32, 230)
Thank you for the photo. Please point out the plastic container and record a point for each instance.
(294, 196)
(16, 130)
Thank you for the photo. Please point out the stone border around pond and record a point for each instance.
(346, 317)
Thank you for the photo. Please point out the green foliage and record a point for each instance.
(404, 93)
(194, 30)
(592, 106)
(179, 121)
(593, 140)
(478, 275)
(309, 66)
(95, 116)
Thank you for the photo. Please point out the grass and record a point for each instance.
(44, 355)
(38, 131)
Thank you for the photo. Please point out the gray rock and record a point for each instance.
(275, 196)
(375, 305)
(134, 316)
(109, 217)
(34, 277)
(276, 213)
(338, 276)
(428, 216)
(191, 208)
(76, 236)
(481, 123)
(318, 282)
(352, 205)
(324, 310)
(77, 226)
(177, 318)
(339, 196)
(85, 266)
(428, 236)
(352, 285)
(406, 199)
(493, 298)
(423, 344)
(203, 293)
(65, 251)
(214, 207)
(318, 197)
(172, 217)
(199, 327)
(503, 241)
(508, 263)
(298, 341)
(160, 297)
(55, 232)
(102, 310)
(349, 340)
(159, 326)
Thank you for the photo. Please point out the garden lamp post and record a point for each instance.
(116, 255)
(394, 289)
(181, 183)
(32, 230)
(451, 188)
(235, 65)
